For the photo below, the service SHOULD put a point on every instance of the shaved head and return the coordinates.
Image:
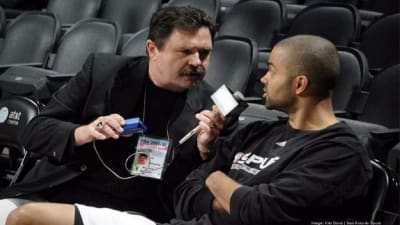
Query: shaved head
(314, 57)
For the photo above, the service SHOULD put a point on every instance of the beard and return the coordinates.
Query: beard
(269, 104)
(272, 105)
(283, 104)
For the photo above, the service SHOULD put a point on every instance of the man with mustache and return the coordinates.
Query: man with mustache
(79, 134)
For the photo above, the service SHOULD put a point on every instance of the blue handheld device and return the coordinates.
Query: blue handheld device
(134, 125)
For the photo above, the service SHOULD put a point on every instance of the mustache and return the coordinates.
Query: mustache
(189, 71)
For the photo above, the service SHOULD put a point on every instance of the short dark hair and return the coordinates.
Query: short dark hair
(315, 57)
(186, 18)
(143, 154)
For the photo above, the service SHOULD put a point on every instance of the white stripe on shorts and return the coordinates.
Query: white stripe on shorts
(105, 216)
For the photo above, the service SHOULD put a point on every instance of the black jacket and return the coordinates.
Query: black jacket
(97, 90)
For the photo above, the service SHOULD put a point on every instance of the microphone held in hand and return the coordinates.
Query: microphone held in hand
(190, 134)
(230, 105)
(240, 97)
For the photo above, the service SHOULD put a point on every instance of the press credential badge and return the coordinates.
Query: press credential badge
(150, 157)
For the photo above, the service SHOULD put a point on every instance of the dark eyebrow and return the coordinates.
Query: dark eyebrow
(203, 52)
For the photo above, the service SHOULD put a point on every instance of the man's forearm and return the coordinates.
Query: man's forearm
(222, 187)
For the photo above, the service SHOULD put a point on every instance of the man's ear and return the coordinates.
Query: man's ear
(152, 49)
(301, 82)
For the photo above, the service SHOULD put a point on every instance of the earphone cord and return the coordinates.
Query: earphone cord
(109, 169)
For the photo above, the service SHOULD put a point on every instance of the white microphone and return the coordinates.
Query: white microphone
(190, 134)
(224, 103)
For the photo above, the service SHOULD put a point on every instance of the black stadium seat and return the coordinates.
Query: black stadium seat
(310, 2)
(211, 7)
(130, 15)
(393, 160)
(2, 22)
(71, 11)
(385, 7)
(353, 80)
(83, 38)
(15, 113)
(378, 188)
(29, 38)
(380, 42)
(339, 23)
(259, 20)
(383, 104)
(291, 1)
(136, 44)
(232, 62)
(383, 195)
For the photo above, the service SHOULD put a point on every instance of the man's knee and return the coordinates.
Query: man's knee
(23, 215)
(12, 217)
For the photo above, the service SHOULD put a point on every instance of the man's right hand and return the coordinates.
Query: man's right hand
(102, 128)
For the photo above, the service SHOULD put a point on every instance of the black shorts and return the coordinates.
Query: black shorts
(78, 218)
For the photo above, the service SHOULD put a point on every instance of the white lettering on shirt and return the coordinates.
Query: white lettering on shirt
(252, 163)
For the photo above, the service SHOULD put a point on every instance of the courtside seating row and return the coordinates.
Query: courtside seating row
(265, 21)
(131, 16)
(72, 11)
